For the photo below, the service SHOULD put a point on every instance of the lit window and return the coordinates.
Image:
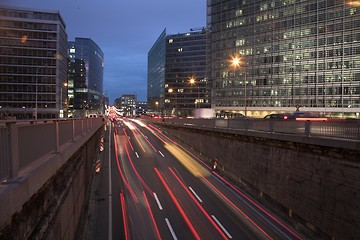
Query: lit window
(180, 50)
(239, 12)
(171, 40)
(72, 50)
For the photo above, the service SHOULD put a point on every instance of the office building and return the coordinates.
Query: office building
(177, 74)
(128, 104)
(285, 55)
(33, 64)
(86, 73)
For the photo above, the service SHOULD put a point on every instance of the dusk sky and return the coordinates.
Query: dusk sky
(125, 30)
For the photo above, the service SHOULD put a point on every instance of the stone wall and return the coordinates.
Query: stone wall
(319, 184)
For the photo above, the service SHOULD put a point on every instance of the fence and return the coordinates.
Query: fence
(23, 142)
(346, 129)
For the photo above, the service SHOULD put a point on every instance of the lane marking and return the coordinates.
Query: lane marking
(161, 154)
(158, 202)
(137, 155)
(198, 198)
(221, 226)
(171, 229)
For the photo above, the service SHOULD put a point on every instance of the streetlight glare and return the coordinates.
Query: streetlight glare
(354, 3)
(192, 80)
(235, 61)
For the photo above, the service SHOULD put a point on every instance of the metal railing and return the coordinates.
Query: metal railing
(345, 129)
(23, 142)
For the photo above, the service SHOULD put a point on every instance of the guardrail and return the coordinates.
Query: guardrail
(346, 129)
(23, 142)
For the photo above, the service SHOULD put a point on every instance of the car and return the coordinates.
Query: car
(283, 116)
(306, 115)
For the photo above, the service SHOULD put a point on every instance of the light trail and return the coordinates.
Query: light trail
(237, 208)
(123, 208)
(133, 132)
(136, 172)
(146, 139)
(152, 216)
(121, 173)
(198, 204)
(232, 187)
(178, 206)
(257, 206)
(128, 139)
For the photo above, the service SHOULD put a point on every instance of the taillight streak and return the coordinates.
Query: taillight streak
(123, 208)
(152, 216)
(146, 139)
(199, 205)
(160, 132)
(238, 209)
(231, 186)
(136, 172)
(133, 132)
(177, 204)
(121, 173)
(127, 137)
(257, 206)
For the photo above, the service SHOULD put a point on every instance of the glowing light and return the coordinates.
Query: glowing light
(24, 39)
(355, 3)
(187, 161)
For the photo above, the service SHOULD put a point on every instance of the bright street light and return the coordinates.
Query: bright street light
(236, 62)
(192, 81)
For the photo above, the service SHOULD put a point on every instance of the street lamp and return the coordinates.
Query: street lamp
(192, 81)
(157, 107)
(236, 62)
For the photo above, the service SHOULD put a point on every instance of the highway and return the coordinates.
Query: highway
(151, 187)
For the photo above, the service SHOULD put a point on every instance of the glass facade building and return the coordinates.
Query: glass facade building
(186, 78)
(33, 64)
(86, 76)
(177, 76)
(294, 54)
(156, 74)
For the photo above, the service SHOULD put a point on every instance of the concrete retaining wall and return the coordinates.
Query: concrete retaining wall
(57, 209)
(317, 183)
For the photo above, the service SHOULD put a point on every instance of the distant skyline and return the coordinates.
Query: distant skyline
(125, 31)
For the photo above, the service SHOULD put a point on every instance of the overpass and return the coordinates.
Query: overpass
(46, 171)
(310, 169)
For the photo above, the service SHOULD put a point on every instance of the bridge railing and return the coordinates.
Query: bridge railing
(23, 142)
(347, 129)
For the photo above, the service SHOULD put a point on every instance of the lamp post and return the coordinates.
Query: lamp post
(192, 81)
(157, 107)
(236, 62)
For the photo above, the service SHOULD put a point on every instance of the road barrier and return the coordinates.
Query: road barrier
(23, 142)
